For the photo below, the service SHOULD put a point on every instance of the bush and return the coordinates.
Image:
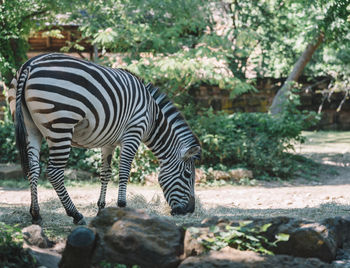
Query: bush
(12, 254)
(7, 140)
(257, 141)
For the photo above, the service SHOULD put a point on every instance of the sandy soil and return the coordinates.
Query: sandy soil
(327, 195)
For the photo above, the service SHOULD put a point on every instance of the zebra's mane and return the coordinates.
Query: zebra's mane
(132, 73)
(168, 108)
(165, 104)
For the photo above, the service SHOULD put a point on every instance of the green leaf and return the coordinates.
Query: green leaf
(265, 227)
(282, 237)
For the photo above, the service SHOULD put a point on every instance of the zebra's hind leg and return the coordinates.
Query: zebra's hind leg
(106, 174)
(33, 151)
(55, 171)
(33, 175)
(127, 153)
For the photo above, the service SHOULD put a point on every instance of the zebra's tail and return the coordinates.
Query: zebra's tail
(20, 127)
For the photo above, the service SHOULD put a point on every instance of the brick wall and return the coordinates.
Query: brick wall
(260, 101)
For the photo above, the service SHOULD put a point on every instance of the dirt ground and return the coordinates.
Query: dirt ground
(327, 195)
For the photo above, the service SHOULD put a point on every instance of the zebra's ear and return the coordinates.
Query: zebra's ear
(194, 152)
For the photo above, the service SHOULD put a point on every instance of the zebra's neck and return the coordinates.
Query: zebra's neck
(169, 133)
(160, 132)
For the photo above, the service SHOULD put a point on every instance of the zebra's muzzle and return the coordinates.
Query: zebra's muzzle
(181, 209)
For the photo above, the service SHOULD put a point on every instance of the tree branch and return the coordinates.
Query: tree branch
(281, 96)
(25, 18)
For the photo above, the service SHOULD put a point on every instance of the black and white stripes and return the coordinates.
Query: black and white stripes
(71, 102)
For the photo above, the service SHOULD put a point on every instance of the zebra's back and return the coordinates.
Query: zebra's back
(91, 104)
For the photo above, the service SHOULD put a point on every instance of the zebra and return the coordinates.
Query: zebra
(73, 102)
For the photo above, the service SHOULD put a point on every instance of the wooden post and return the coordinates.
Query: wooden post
(79, 248)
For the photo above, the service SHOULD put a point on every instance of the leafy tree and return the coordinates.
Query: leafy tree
(17, 19)
(168, 43)
(136, 26)
(330, 25)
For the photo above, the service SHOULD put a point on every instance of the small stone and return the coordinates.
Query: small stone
(34, 236)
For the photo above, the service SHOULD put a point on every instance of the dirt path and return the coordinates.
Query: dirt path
(327, 196)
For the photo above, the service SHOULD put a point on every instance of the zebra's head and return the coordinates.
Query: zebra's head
(177, 179)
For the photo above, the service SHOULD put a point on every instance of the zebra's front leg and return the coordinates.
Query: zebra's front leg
(128, 150)
(106, 174)
(55, 171)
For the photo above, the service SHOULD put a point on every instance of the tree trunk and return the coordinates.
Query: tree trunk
(282, 94)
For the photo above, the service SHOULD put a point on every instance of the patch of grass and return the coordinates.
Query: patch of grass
(14, 184)
(44, 183)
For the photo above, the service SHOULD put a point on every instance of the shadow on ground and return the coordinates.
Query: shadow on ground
(57, 224)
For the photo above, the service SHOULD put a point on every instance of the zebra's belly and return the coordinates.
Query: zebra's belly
(86, 136)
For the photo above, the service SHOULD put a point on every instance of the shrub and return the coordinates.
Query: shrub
(257, 141)
(12, 254)
(7, 140)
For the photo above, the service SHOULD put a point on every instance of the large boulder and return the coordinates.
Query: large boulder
(233, 258)
(306, 239)
(310, 239)
(130, 236)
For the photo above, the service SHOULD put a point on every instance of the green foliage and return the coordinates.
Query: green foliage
(7, 140)
(241, 237)
(144, 163)
(17, 19)
(140, 26)
(257, 141)
(12, 254)
(177, 73)
(265, 38)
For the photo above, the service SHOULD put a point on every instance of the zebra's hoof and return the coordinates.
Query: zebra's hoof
(121, 204)
(79, 219)
(37, 220)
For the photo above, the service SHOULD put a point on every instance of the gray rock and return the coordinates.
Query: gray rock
(130, 236)
(33, 235)
(307, 239)
(192, 241)
(45, 257)
(232, 258)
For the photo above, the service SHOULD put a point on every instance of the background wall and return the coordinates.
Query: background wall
(311, 98)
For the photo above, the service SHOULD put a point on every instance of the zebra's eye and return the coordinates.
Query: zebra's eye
(187, 170)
